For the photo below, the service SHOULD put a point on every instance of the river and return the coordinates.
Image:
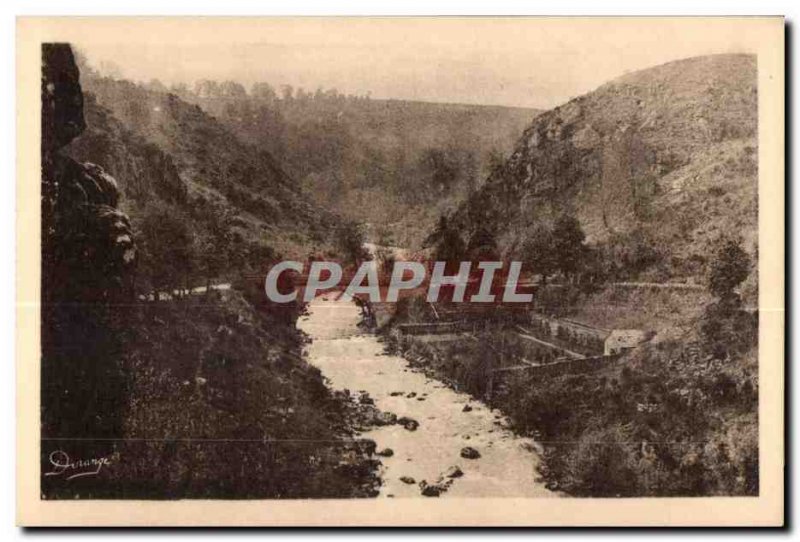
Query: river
(353, 359)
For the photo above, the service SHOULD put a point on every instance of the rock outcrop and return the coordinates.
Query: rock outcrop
(88, 255)
(88, 252)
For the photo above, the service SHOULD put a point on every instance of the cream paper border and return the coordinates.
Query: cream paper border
(761, 35)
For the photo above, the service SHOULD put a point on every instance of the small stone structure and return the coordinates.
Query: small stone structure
(620, 340)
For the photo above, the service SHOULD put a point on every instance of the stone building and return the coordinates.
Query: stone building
(620, 340)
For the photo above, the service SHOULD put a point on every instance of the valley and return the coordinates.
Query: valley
(632, 211)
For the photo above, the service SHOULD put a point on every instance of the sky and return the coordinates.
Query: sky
(523, 62)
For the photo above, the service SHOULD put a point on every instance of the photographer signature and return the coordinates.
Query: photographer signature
(63, 465)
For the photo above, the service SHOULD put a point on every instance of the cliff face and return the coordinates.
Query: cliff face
(87, 244)
(88, 257)
(666, 156)
(144, 170)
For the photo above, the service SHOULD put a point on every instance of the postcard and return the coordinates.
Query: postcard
(417, 271)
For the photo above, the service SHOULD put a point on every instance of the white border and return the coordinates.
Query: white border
(240, 7)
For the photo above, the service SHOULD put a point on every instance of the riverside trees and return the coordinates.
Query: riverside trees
(560, 248)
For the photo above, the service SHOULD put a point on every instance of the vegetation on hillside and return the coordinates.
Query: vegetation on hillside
(647, 177)
(187, 395)
(654, 166)
(676, 417)
(388, 163)
(210, 170)
(214, 400)
(633, 182)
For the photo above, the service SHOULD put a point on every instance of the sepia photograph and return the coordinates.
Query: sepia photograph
(403, 263)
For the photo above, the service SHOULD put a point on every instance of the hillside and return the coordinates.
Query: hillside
(655, 165)
(164, 148)
(395, 165)
(649, 180)
(187, 394)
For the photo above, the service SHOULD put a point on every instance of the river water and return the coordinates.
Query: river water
(353, 359)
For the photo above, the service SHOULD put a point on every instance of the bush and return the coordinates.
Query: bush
(729, 268)
(603, 464)
(165, 247)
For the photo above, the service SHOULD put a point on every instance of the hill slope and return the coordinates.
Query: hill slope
(201, 396)
(393, 164)
(206, 165)
(664, 158)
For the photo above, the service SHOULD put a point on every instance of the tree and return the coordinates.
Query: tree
(263, 91)
(439, 168)
(538, 252)
(727, 329)
(179, 89)
(634, 253)
(482, 245)
(569, 249)
(350, 243)
(207, 89)
(446, 242)
(219, 247)
(232, 89)
(384, 252)
(494, 161)
(156, 86)
(729, 268)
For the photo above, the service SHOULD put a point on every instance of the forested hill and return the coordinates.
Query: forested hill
(394, 165)
(654, 166)
(178, 163)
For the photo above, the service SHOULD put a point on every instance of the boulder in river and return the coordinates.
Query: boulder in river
(407, 480)
(467, 408)
(433, 490)
(412, 395)
(409, 423)
(386, 452)
(454, 472)
(468, 452)
(385, 418)
(396, 393)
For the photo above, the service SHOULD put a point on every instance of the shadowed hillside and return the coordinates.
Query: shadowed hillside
(174, 149)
